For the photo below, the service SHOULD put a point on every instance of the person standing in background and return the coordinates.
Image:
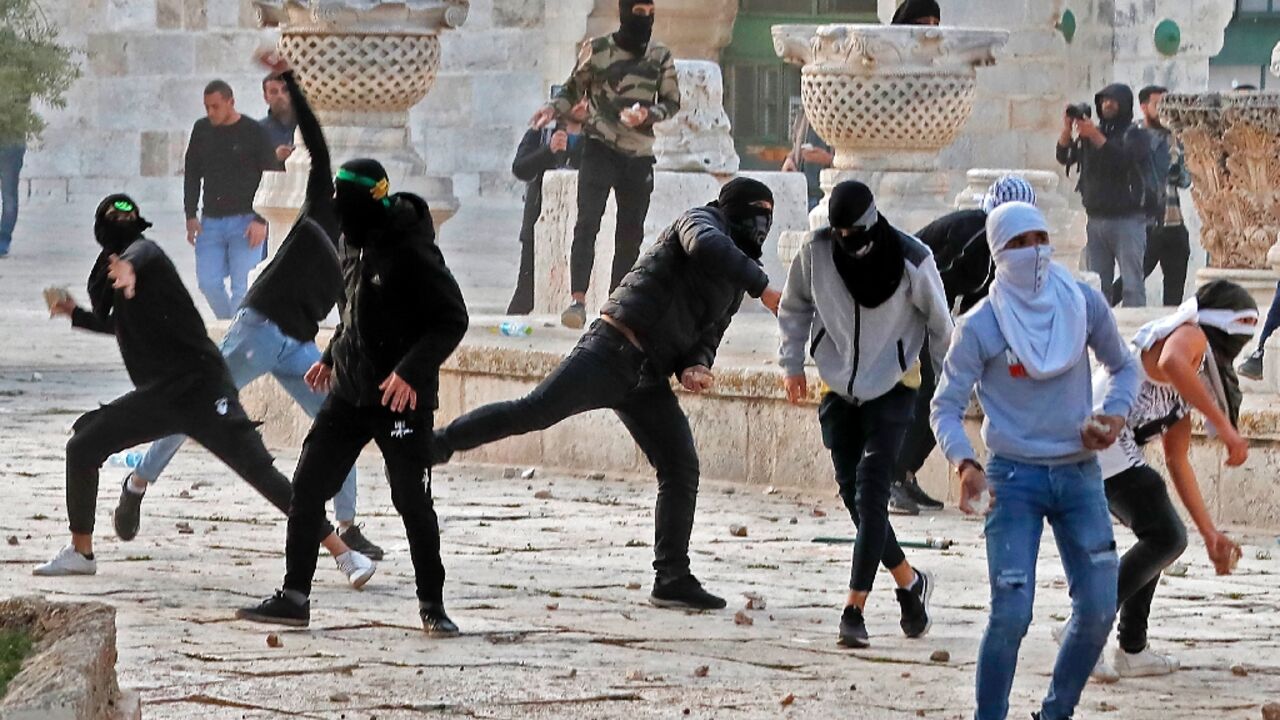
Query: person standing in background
(1168, 243)
(554, 147)
(281, 121)
(810, 155)
(226, 157)
(630, 83)
(12, 153)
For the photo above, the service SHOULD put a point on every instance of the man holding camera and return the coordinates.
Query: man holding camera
(1114, 156)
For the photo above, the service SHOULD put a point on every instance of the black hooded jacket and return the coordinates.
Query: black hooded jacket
(303, 282)
(959, 244)
(402, 311)
(161, 335)
(1113, 176)
(684, 291)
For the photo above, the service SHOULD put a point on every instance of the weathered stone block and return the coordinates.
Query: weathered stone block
(194, 16)
(155, 154)
(130, 15)
(161, 54)
(518, 13)
(169, 14)
(507, 98)
(450, 103)
(107, 54)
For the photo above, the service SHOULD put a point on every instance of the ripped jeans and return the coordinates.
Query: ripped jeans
(1072, 499)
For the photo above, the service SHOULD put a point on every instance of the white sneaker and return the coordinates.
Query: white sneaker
(1103, 672)
(67, 562)
(356, 567)
(1147, 663)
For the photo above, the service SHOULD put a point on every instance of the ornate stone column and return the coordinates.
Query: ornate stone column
(699, 138)
(364, 64)
(888, 99)
(1232, 143)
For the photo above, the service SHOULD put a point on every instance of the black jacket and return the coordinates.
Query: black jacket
(959, 244)
(1113, 176)
(533, 159)
(402, 311)
(683, 292)
(303, 282)
(161, 335)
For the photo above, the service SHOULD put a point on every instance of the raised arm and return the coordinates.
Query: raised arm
(320, 179)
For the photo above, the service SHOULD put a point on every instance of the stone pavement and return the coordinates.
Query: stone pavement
(550, 587)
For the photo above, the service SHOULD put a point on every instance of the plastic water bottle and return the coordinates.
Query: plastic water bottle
(129, 459)
(515, 329)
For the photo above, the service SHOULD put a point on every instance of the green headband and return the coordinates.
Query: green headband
(123, 206)
(377, 188)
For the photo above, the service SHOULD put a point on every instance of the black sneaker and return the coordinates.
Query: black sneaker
(361, 544)
(853, 630)
(900, 503)
(685, 593)
(918, 495)
(574, 316)
(436, 623)
(128, 514)
(441, 453)
(1252, 366)
(278, 610)
(915, 606)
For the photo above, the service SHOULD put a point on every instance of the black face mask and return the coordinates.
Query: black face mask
(361, 218)
(749, 233)
(117, 235)
(635, 31)
(853, 242)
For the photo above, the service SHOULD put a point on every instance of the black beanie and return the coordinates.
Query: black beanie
(740, 192)
(850, 201)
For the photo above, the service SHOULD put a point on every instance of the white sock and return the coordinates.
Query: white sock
(342, 556)
(295, 597)
(916, 583)
(136, 485)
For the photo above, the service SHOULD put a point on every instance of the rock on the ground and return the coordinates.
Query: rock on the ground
(940, 656)
(1271, 711)
(738, 530)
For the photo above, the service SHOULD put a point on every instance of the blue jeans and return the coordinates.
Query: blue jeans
(11, 157)
(222, 252)
(253, 347)
(1119, 241)
(1072, 499)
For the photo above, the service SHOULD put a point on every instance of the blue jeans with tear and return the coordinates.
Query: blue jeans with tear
(253, 347)
(1072, 498)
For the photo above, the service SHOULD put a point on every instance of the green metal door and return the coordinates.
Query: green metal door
(762, 93)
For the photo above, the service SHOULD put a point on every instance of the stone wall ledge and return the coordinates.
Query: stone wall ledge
(71, 673)
(745, 430)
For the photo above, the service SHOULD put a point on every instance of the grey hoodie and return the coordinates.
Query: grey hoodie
(861, 353)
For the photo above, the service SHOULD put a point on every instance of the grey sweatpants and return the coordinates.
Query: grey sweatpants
(1123, 241)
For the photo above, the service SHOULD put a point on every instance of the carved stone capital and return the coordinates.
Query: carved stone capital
(363, 16)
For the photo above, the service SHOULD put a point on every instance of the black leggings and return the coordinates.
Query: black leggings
(606, 371)
(1138, 499)
(203, 408)
(864, 441)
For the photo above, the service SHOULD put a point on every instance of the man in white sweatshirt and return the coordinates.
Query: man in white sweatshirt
(861, 298)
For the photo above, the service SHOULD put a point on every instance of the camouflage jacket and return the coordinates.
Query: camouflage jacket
(615, 80)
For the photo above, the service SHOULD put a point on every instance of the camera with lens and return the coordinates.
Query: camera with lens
(1080, 111)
